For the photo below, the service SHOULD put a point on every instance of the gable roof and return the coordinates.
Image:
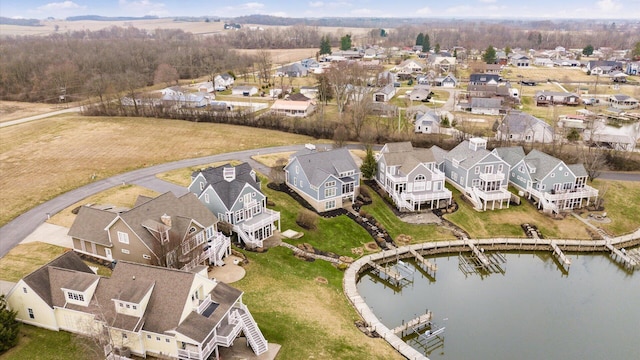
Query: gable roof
(484, 78)
(517, 122)
(466, 156)
(40, 280)
(487, 103)
(90, 224)
(544, 163)
(318, 165)
(405, 156)
(228, 191)
(512, 154)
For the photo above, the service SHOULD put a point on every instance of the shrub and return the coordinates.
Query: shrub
(307, 219)
(225, 228)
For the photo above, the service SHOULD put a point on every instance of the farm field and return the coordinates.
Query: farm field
(66, 152)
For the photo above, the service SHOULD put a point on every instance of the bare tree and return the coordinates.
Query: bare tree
(594, 161)
(264, 64)
(167, 74)
(277, 173)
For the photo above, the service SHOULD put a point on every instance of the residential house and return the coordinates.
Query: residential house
(544, 98)
(206, 87)
(177, 232)
(484, 79)
(632, 68)
(293, 108)
(444, 64)
(409, 66)
(554, 185)
(543, 62)
(520, 61)
(448, 81)
(519, 126)
(310, 63)
(420, 93)
(478, 173)
(309, 91)
(492, 68)
(622, 102)
(490, 90)
(247, 90)
(428, 122)
(411, 177)
(325, 179)
(233, 194)
(385, 78)
(139, 310)
(486, 106)
(603, 67)
(385, 93)
(188, 100)
(222, 82)
(173, 91)
(292, 70)
(279, 91)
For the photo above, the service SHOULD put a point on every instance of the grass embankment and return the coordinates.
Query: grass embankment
(43, 159)
(621, 201)
(40, 344)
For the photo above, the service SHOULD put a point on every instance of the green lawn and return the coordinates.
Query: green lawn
(41, 344)
(621, 199)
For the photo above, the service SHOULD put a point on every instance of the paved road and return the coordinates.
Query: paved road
(40, 116)
(623, 176)
(16, 230)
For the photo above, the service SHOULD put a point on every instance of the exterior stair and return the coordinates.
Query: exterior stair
(254, 336)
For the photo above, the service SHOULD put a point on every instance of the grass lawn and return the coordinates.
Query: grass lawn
(621, 204)
(300, 305)
(41, 344)
(25, 258)
(506, 222)
(63, 153)
(394, 226)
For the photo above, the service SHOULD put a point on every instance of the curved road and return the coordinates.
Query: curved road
(16, 230)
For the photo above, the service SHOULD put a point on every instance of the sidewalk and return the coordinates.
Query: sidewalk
(50, 234)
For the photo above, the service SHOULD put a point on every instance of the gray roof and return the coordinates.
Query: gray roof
(487, 103)
(517, 122)
(387, 89)
(40, 279)
(405, 156)
(90, 223)
(543, 162)
(466, 156)
(320, 165)
(228, 191)
(438, 153)
(555, 93)
(578, 170)
(483, 78)
(512, 154)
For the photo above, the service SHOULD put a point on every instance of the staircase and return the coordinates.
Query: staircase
(220, 249)
(254, 336)
(475, 199)
(401, 202)
(246, 238)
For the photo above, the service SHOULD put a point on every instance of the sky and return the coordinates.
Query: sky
(500, 9)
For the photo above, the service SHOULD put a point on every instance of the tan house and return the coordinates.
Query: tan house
(176, 232)
(293, 108)
(141, 309)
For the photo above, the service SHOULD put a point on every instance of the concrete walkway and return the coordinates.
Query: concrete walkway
(350, 288)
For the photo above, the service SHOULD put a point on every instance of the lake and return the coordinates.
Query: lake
(533, 310)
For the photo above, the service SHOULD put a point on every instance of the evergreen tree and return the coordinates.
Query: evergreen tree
(9, 327)
(507, 50)
(383, 33)
(455, 53)
(426, 45)
(489, 55)
(636, 51)
(588, 50)
(325, 45)
(420, 39)
(437, 48)
(345, 42)
(369, 165)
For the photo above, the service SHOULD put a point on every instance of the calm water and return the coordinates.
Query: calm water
(532, 311)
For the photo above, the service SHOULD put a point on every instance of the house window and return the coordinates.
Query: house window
(488, 169)
(329, 192)
(157, 338)
(75, 296)
(135, 307)
(24, 289)
(125, 251)
(566, 173)
(148, 336)
(145, 256)
(461, 180)
(521, 168)
(167, 340)
(330, 183)
(553, 174)
(500, 168)
(295, 181)
(454, 176)
(128, 306)
(297, 170)
(121, 305)
(477, 170)
(123, 237)
(239, 215)
(31, 315)
(330, 205)
(206, 198)
(192, 230)
(124, 336)
(201, 186)
(301, 183)
(475, 182)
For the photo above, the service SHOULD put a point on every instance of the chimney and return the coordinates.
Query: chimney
(166, 219)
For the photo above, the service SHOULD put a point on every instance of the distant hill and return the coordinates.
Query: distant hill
(20, 22)
(110, 18)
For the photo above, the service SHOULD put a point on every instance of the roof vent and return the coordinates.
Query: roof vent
(229, 174)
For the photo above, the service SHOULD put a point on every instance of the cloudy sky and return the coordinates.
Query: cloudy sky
(547, 9)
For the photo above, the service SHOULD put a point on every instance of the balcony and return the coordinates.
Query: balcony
(259, 221)
(419, 197)
(493, 195)
(579, 193)
(487, 177)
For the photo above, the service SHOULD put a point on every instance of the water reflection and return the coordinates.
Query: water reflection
(534, 310)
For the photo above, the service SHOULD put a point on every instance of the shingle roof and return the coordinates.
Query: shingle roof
(406, 157)
(578, 170)
(543, 162)
(466, 156)
(90, 223)
(517, 122)
(320, 165)
(228, 191)
(483, 78)
(487, 103)
(40, 280)
(512, 154)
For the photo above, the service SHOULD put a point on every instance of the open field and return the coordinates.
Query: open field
(542, 74)
(283, 56)
(66, 152)
(621, 199)
(25, 258)
(12, 110)
(119, 196)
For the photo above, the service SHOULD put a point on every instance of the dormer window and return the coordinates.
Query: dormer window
(76, 297)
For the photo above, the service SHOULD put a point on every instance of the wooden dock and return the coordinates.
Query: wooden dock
(391, 274)
(564, 260)
(620, 256)
(426, 264)
(418, 322)
(484, 261)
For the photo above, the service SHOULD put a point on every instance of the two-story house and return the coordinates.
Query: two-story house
(411, 178)
(518, 126)
(478, 173)
(233, 194)
(554, 185)
(141, 309)
(543, 98)
(323, 178)
(176, 232)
